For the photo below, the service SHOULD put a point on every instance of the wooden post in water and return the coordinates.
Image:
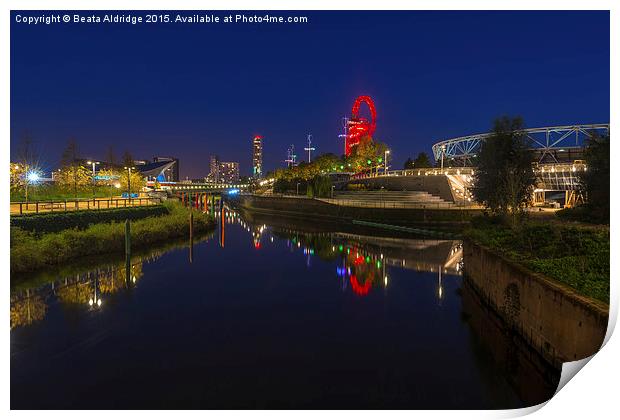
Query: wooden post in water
(191, 237)
(127, 251)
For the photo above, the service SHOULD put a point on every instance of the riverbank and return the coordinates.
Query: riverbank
(548, 282)
(318, 210)
(31, 251)
(575, 255)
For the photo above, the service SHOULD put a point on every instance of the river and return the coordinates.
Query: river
(268, 313)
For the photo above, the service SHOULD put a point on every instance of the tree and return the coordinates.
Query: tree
(75, 178)
(111, 156)
(505, 179)
(136, 180)
(596, 180)
(72, 174)
(408, 164)
(127, 159)
(366, 155)
(422, 161)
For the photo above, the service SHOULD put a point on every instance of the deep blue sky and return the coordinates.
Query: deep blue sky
(195, 90)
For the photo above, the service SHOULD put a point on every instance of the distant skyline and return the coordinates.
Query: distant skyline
(192, 91)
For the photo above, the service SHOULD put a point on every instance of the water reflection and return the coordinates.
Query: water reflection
(361, 259)
(268, 312)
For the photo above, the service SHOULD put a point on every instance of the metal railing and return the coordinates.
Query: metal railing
(56, 206)
(383, 204)
(417, 172)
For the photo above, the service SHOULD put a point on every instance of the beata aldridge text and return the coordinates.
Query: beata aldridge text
(108, 19)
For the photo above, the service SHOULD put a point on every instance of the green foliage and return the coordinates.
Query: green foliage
(367, 155)
(55, 222)
(48, 192)
(574, 255)
(30, 252)
(504, 179)
(320, 186)
(290, 186)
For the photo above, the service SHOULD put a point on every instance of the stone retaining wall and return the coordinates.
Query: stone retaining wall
(552, 318)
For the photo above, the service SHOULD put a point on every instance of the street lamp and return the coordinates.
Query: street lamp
(129, 168)
(93, 163)
(385, 161)
(298, 188)
(32, 177)
(443, 153)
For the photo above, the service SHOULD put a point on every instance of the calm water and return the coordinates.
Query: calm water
(267, 313)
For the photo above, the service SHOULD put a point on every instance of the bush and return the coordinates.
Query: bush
(574, 255)
(30, 251)
(56, 222)
(585, 214)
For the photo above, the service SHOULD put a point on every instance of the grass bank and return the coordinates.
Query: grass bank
(575, 255)
(32, 251)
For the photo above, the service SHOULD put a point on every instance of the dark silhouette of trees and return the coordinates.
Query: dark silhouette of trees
(408, 164)
(422, 161)
(127, 159)
(596, 180)
(505, 179)
(72, 174)
(111, 156)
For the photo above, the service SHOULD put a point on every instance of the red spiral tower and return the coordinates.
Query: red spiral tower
(357, 126)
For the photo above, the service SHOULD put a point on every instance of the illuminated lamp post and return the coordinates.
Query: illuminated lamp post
(93, 163)
(32, 177)
(443, 153)
(385, 161)
(129, 168)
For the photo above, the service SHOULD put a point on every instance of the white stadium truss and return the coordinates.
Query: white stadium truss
(545, 140)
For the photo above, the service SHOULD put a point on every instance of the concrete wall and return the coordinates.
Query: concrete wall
(307, 208)
(437, 185)
(557, 322)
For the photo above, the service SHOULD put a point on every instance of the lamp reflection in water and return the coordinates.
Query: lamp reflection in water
(440, 287)
(95, 301)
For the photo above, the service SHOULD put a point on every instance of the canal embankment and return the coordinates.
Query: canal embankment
(320, 210)
(549, 284)
(87, 236)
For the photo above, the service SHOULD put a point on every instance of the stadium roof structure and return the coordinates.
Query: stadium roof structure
(154, 169)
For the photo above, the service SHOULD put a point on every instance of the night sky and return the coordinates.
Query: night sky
(194, 90)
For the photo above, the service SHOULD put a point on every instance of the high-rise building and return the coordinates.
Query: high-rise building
(229, 172)
(214, 168)
(257, 157)
(172, 173)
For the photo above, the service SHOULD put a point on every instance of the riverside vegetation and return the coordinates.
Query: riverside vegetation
(32, 250)
(572, 254)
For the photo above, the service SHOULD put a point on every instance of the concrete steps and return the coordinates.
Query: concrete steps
(390, 199)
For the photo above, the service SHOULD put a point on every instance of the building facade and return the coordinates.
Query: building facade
(214, 169)
(257, 157)
(229, 172)
(171, 174)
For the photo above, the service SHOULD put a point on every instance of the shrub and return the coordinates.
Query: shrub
(574, 255)
(30, 251)
(56, 222)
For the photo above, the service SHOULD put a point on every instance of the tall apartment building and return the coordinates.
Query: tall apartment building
(214, 169)
(229, 172)
(257, 157)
